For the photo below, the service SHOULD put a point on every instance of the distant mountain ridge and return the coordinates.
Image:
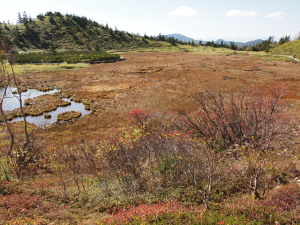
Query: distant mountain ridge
(219, 41)
(181, 37)
(240, 44)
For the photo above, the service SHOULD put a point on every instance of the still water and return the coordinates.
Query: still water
(11, 102)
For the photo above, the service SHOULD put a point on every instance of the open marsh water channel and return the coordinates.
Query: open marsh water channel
(11, 102)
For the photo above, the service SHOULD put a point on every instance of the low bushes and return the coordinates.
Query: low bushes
(280, 206)
(70, 57)
(225, 147)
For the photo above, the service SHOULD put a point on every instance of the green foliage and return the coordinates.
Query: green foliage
(166, 162)
(281, 206)
(213, 44)
(290, 48)
(69, 31)
(208, 218)
(265, 45)
(70, 57)
(284, 40)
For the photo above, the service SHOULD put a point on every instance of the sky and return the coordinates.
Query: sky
(232, 20)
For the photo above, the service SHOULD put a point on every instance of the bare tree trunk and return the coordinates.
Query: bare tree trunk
(6, 81)
(62, 182)
(11, 134)
(254, 191)
(207, 192)
(27, 140)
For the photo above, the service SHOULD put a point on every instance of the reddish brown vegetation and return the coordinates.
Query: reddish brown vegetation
(142, 212)
(226, 148)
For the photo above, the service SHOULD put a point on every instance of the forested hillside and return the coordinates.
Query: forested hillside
(53, 31)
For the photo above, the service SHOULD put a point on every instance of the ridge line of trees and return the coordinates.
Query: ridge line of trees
(83, 29)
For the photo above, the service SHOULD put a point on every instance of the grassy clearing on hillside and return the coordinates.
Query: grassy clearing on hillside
(289, 48)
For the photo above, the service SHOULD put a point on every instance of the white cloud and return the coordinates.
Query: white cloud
(183, 11)
(276, 15)
(241, 13)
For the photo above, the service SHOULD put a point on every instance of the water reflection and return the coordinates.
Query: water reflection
(11, 102)
(41, 121)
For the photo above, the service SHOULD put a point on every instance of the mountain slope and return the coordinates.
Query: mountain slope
(289, 48)
(240, 44)
(56, 31)
(181, 37)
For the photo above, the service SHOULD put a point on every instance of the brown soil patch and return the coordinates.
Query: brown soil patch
(159, 82)
(107, 87)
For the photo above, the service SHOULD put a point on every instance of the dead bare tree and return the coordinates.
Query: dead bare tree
(5, 82)
(20, 155)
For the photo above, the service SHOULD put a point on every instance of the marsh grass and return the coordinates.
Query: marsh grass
(66, 116)
(275, 58)
(203, 50)
(31, 68)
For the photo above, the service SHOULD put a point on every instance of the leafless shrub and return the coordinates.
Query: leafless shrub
(225, 120)
(246, 125)
(74, 162)
(156, 156)
(142, 157)
(225, 144)
(25, 156)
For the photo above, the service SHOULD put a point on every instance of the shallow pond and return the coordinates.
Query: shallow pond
(11, 102)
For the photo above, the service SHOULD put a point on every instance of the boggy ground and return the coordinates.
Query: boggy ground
(159, 82)
(150, 81)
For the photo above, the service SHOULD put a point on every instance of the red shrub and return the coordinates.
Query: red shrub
(286, 198)
(143, 211)
(15, 205)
